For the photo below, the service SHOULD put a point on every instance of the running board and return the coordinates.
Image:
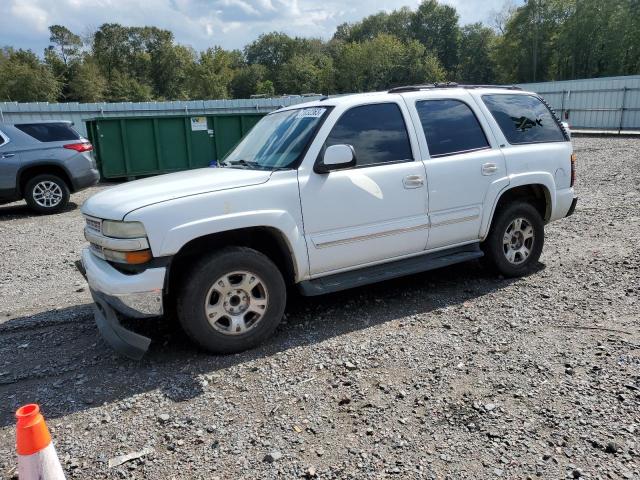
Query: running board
(387, 271)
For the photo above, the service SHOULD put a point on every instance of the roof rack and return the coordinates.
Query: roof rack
(428, 86)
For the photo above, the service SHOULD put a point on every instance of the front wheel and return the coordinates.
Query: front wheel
(515, 241)
(233, 300)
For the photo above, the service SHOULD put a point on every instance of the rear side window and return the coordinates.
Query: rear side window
(49, 132)
(2, 140)
(450, 127)
(377, 134)
(524, 119)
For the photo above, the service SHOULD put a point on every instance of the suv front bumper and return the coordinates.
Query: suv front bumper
(135, 295)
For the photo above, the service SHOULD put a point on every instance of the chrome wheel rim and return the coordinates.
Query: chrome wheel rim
(236, 302)
(47, 194)
(517, 242)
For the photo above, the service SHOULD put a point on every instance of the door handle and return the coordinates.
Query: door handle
(489, 168)
(8, 155)
(413, 181)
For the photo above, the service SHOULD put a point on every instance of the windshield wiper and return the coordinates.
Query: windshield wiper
(241, 162)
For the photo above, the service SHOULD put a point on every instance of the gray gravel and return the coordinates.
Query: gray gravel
(449, 374)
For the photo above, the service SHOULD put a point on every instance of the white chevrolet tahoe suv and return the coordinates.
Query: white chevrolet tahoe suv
(329, 195)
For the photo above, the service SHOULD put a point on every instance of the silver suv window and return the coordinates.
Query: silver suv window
(49, 132)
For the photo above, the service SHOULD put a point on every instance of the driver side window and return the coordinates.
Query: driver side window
(377, 133)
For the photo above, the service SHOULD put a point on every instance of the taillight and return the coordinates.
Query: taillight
(79, 147)
(573, 169)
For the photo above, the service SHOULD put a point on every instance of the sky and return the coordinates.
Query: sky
(204, 23)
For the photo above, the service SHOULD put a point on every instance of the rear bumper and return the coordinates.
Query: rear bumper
(135, 296)
(565, 199)
(572, 208)
(86, 180)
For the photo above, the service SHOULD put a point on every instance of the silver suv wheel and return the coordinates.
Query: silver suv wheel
(517, 241)
(236, 302)
(47, 194)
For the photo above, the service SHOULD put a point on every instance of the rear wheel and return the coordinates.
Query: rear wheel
(516, 238)
(46, 193)
(233, 300)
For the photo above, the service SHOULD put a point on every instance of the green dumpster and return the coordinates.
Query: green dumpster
(140, 146)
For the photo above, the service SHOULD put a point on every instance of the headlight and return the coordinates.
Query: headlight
(114, 229)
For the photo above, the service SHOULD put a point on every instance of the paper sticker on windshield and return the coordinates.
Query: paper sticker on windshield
(310, 112)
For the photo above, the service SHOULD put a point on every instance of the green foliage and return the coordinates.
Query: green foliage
(247, 80)
(384, 62)
(536, 41)
(475, 60)
(24, 78)
(436, 27)
(87, 83)
(66, 44)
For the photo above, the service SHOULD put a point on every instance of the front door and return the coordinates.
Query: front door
(375, 210)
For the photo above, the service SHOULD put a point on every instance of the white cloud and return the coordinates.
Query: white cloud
(203, 23)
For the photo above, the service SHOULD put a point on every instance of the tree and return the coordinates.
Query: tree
(475, 60)
(436, 27)
(66, 44)
(307, 74)
(382, 63)
(271, 50)
(526, 51)
(211, 77)
(87, 83)
(124, 88)
(396, 23)
(23, 78)
(247, 79)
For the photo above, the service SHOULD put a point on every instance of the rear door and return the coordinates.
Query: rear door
(463, 163)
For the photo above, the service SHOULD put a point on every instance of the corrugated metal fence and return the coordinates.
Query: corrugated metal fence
(609, 103)
(13, 112)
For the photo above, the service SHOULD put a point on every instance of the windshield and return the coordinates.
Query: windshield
(277, 140)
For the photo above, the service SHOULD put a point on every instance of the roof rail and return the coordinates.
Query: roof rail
(428, 86)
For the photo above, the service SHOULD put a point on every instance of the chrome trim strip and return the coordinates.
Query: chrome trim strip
(119, 244)
(371, 236)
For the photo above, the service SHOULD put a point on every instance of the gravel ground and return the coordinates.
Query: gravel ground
(454, 373)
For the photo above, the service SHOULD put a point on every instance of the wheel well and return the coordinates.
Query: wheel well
(30, 172)
(265, 240)
(537, 195)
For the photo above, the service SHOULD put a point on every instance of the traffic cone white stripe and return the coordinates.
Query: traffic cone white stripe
(42, 465)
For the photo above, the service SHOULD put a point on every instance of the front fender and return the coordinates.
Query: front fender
(274, 204)
(517, 180)
(278, 220)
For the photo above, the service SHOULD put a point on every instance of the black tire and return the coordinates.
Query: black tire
(39, 204)
(497, 252)
(192, 313)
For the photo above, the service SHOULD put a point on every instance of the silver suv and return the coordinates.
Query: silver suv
(43, 162)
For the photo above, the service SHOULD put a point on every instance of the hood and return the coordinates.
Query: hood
(115, 202)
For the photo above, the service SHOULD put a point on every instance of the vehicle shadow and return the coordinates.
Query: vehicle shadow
(14, 211)
(57, 359)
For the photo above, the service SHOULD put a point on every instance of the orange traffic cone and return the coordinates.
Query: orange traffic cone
(37, 458)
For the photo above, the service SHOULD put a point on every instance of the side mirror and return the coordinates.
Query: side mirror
(566, 127)
(336, 157)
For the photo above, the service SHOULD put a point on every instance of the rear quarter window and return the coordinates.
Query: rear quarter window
(524, 119)
(49, 132)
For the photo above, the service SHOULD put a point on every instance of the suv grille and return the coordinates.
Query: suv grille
(93, 224)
